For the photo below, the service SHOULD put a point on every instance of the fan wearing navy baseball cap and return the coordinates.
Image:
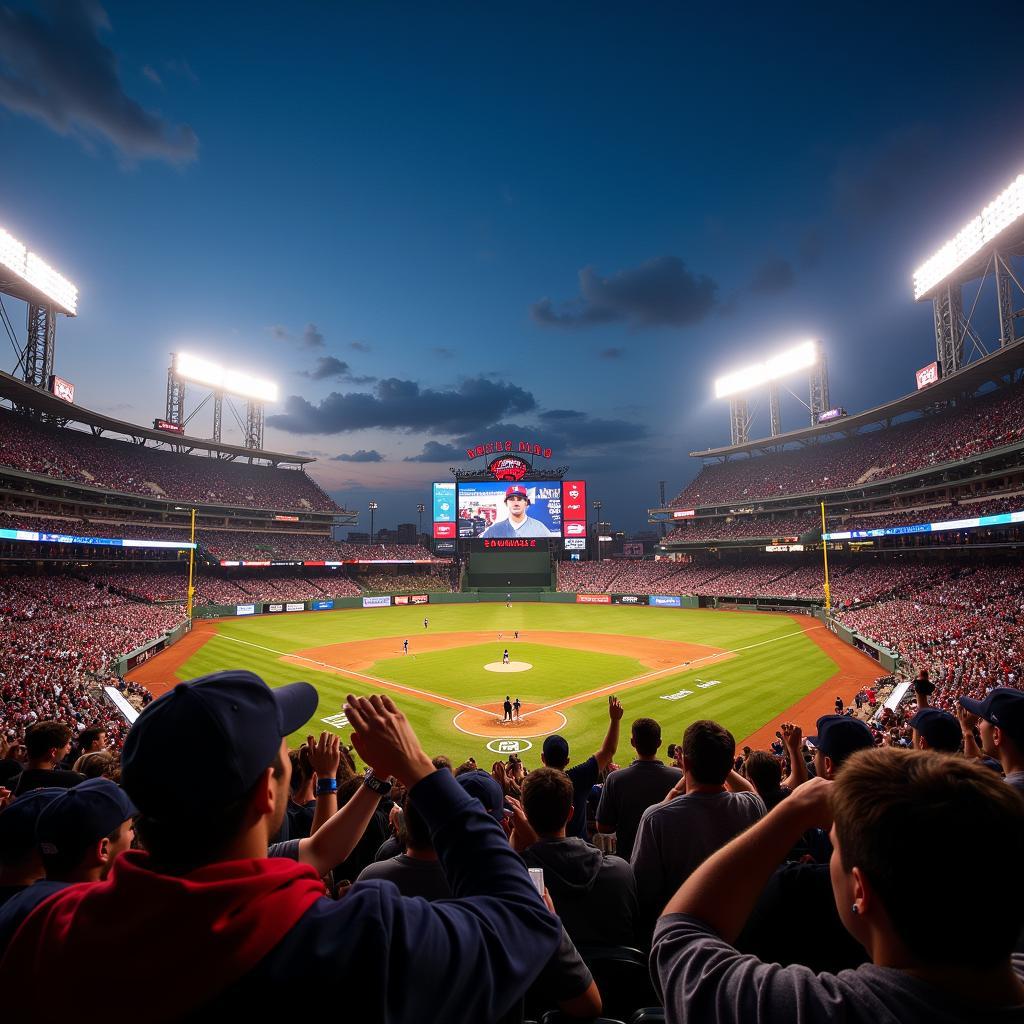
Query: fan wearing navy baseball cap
(517, 523)
(838, 737)
(1001, 724)
(240, 932)
(20, 863)
(79, 834)
(935, 729)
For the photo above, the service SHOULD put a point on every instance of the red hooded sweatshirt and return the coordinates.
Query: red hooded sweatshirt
(213, 924)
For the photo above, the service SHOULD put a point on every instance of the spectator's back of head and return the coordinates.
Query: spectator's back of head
(838, 737)
(708, 752)
(416, 831)
(939, 729)
(18, 824)
(47, 740)
(938, 839)
(555, 752)
(547, 800)
(646, 737)
(764, 771)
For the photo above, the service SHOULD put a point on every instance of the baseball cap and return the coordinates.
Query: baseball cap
(839, 736)
(82, 815)
(1004, 707)
(556, 750)
(232, 717)
(939, 728)
(516, 490)
(486, 789)
(18, 822)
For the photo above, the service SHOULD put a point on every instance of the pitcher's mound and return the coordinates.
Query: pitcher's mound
(512, 666)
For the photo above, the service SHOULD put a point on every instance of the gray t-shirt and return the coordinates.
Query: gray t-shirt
(700, 977)
(674, 839)
(412, 875)
(627, 794)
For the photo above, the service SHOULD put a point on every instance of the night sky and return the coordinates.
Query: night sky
(436, 224)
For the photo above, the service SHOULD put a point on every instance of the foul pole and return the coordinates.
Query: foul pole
(824, 555)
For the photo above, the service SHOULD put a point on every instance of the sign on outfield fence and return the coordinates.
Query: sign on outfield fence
(665, 601)
(245, 609)
(593, 598)
(321, 606)
(377, 602)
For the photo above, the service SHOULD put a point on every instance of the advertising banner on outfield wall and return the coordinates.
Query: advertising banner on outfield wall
(665, 601)
(629, 599)
(419, 599)
(401, 599)
(269, 608)
(295, 606)
(321, 606)
(376, 602)
(245, 609)
(593, 598)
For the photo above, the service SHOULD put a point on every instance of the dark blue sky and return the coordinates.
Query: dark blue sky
(557, 221)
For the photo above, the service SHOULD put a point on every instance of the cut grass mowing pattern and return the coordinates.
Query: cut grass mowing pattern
(752, 687)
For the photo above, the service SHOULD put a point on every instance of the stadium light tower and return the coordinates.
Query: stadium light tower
(420, 509)
(597, 509)
(373, 508)
(221, 381)
(808, 355)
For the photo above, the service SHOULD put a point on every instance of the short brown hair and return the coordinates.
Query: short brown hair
(917, 823)
(547, 799)
(42, 737)
(764, 771)
(708, 749)
(646, 733)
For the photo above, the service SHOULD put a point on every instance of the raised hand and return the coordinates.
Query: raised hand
(615, 710)
(324, 754)
(385, 740)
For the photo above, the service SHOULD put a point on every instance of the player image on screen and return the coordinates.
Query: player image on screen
(518, 523)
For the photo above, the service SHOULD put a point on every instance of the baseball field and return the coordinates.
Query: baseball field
(746, 670)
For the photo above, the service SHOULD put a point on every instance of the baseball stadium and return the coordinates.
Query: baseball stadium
(795, 695)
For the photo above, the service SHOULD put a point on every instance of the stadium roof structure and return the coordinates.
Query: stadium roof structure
(25, 395)
(999, 368)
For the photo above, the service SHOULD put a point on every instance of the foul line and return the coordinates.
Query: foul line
(687, 665)
(435, 698)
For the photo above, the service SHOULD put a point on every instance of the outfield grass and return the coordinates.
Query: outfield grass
(780, 666)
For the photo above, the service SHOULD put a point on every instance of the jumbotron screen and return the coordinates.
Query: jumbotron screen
(502, 509)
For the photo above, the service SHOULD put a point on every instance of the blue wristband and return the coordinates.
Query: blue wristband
(325, 787)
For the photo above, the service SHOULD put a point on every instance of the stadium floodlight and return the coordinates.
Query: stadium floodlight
(235, 382)
(37, 273)
(1004, 210)
(785, 363)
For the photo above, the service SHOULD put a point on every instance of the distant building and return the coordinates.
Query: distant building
(406, 533)
(358, 537)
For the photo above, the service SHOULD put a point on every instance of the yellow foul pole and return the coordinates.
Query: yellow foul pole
(824, 554)
(191, 565)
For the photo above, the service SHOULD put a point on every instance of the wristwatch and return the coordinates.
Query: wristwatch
(379, 786)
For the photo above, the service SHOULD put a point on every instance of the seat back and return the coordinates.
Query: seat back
(622, 977)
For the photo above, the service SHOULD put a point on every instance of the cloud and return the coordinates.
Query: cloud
(398, 404)
(433, 451)
(183, 69)
(359, 346)
(773, 276)
(612, 353)
(362, 455)
(568, 432)
(56, 69)
(444, 353)
(312, 338)
(280, 332)
(658, 293)
(152, 75)
(313, 453)
(327, 367)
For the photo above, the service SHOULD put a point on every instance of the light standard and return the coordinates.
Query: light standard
(190, 593)
(420, 508)
(373, 508)
(597, 509)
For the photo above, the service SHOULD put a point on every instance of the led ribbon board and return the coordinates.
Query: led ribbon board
(1002, 519)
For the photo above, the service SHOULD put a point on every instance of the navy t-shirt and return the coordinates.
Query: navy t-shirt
(584, 777)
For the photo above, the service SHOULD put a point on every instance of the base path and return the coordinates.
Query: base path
(856, 670)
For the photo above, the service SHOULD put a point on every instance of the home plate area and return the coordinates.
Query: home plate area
(512, 666)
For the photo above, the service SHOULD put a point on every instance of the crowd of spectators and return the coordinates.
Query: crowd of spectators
(950, 435)
(728, 885)
(781, 577)
(745, 527)
(408, 582)
(966, 629)
(76, 456)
